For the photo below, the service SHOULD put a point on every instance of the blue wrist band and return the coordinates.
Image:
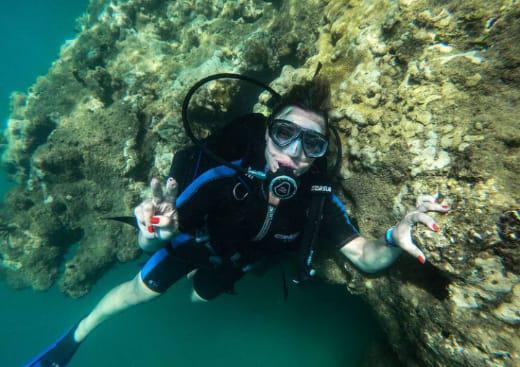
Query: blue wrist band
(388, 237)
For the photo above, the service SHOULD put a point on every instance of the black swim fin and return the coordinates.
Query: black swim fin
(58, 354)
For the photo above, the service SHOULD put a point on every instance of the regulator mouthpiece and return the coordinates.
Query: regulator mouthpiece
(283, 184)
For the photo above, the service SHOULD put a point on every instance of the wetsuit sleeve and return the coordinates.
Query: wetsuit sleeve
(336, 228)
(200, 198)
(193, 207)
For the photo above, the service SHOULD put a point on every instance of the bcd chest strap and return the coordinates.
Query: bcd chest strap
(319, 194)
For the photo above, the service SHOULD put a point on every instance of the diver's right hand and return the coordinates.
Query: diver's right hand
(157, 217)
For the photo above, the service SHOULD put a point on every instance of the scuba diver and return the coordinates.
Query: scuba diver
(255, 192)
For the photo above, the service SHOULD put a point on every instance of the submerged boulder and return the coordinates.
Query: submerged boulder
(425, 96)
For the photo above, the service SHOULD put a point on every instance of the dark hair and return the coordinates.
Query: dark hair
(313, 95)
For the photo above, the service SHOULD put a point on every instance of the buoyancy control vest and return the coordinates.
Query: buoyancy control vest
(247, 134)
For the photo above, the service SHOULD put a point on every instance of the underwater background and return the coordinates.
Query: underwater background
(320, 325)
(425, 96)
(317, 326)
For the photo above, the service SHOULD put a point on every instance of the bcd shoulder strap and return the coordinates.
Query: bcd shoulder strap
(235, 141)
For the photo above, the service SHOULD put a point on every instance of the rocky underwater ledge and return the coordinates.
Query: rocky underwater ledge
(425, 96)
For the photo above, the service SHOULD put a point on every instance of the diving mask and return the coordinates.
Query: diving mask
(284, 133)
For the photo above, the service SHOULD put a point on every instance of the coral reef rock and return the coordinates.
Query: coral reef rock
(425, 96)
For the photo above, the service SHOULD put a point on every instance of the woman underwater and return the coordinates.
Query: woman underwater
(226, 223)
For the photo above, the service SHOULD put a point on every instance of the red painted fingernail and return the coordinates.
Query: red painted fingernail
(421, 259)
(435, 227)
(445, 206)
(155, 220)
(151, 229)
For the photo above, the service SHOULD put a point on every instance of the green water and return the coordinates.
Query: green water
(32, 34)
(317, 326)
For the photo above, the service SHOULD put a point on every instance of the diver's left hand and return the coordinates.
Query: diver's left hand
(402, 234)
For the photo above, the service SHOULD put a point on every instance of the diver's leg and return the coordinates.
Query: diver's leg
(161, 271)
(210, 283)
(195, 298)
(118, 299)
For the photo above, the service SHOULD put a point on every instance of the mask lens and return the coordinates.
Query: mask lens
(314, 145)
(283, 133)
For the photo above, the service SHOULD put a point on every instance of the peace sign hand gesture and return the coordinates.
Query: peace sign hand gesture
(157, 217)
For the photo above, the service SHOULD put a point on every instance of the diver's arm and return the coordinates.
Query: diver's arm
(373, 255)
(370, 256)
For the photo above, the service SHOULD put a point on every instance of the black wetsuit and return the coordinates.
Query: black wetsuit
(227, 226)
